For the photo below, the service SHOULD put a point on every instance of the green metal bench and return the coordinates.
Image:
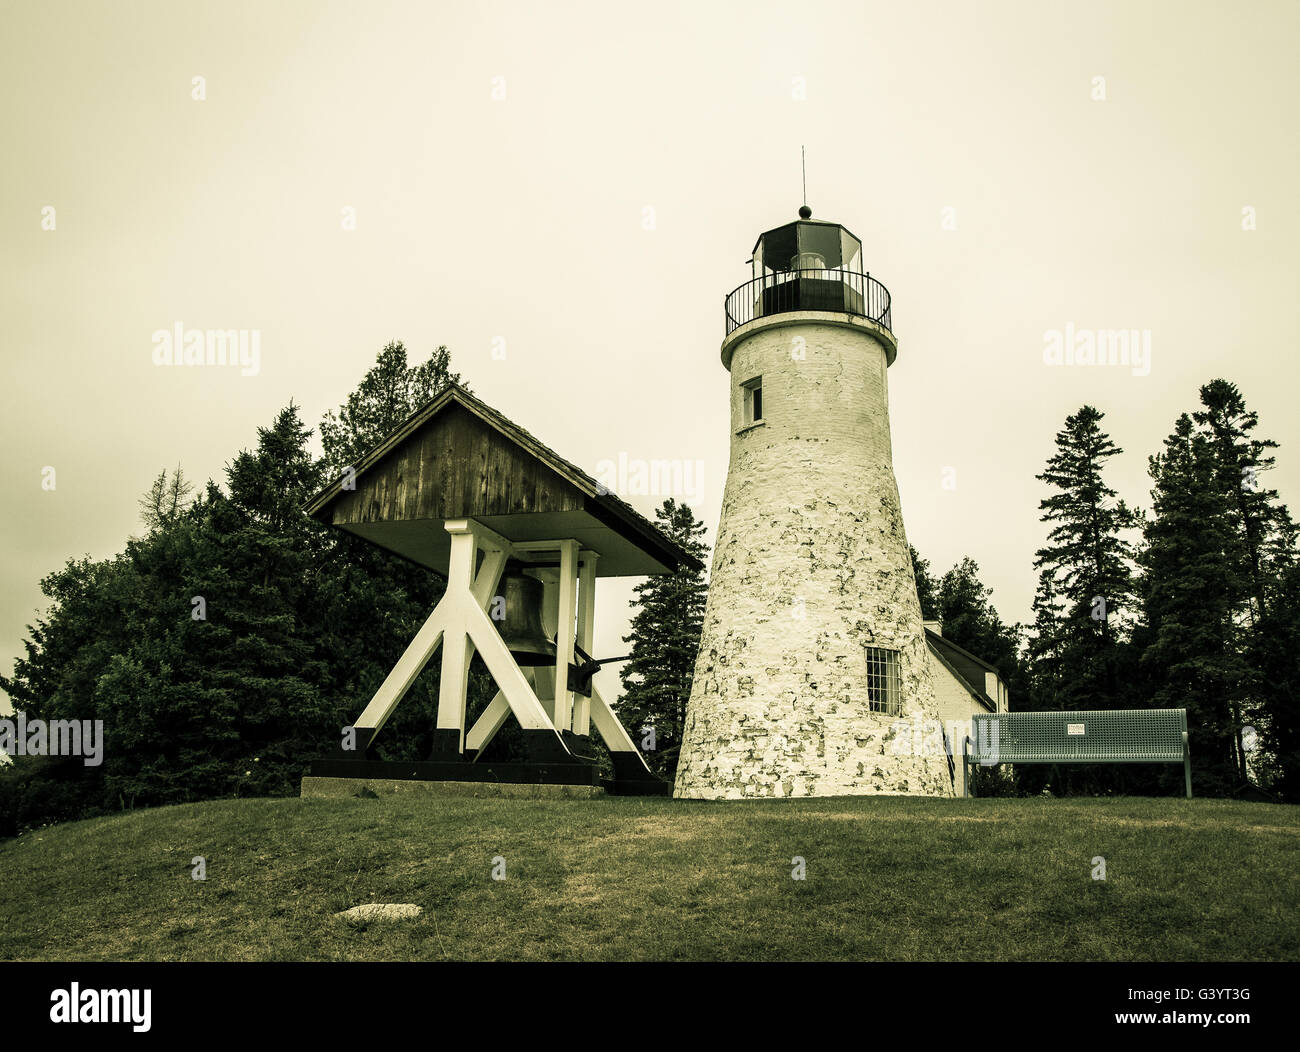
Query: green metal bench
(1093, 736)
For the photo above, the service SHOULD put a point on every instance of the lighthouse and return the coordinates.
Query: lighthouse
(813, 676)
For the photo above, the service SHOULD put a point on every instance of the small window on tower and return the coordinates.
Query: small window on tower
(882, 681)
(754, 401)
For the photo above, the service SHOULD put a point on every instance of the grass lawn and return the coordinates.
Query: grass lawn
(888, 878)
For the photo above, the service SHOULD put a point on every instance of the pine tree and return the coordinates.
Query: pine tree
(1193, 589)
(166, 499)
(270, 660)
(965, 609)
(1264, 531)
(1261, 546)
(665, 640)
(1274, 657)
(1046, 647)
(390, 392)
(1085, 587)
(927, 587)
(66, 654)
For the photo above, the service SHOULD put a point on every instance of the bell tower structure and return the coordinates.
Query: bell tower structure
(813, 676)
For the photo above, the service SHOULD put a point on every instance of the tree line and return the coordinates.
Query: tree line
(232, 640)
(1193, 603)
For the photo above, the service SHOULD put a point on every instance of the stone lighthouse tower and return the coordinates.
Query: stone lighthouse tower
(813, 676)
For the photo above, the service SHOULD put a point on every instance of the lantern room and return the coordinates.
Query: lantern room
(807, 245)
(808, 265)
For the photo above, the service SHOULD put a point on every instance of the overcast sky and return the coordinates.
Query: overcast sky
(581, 184)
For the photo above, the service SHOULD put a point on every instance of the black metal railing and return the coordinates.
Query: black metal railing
(827, 289)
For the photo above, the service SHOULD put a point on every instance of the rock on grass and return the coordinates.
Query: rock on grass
(379, 911)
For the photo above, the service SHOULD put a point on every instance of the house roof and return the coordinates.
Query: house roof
(598, 515)
(938, 645)
(953, 648)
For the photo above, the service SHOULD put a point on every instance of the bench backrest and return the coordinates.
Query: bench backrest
(1112, 735)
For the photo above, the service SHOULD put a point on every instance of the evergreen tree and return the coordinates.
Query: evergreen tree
(219, 689)
(66, 654)
(1193, 589)
(390, 392)
(232, 642)
(166, 499)
(1046, 647)
(265, 549)
(1265, 534)
(965, 609)
(665, 641)
(927, 588)
(1261, 547)
(1273, 654)
(1085, 586)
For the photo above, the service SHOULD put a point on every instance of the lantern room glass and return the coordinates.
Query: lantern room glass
(807, 245)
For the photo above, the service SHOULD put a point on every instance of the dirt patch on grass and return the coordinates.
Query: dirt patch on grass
(676, 829)
(671, 827)
(581, 890)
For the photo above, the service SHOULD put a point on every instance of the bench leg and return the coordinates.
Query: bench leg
(1187, 766)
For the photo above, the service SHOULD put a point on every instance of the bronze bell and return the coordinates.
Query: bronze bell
(521, 624)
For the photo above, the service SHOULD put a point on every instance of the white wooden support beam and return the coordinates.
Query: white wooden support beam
(489, 721)
(454, 682)
(611, 729)
(564, 632)
(489, 576)
(466, 591)
(456, 652)
(544, 676)
(409, 665)
(586, 630)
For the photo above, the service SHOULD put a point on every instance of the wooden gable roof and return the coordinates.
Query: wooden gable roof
(456, 457)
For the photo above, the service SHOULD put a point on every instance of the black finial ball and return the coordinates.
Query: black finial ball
(805, 212)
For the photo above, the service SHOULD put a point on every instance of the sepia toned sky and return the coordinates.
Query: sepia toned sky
(563, 193)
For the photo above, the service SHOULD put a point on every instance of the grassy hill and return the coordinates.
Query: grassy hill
(887, 878)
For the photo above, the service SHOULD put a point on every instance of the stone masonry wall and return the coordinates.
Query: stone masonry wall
(811, 566)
